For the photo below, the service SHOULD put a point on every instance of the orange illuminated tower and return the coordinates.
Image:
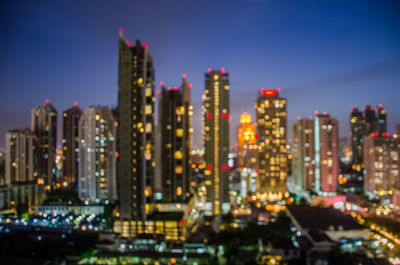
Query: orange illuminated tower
(246, 143)
(246, 154)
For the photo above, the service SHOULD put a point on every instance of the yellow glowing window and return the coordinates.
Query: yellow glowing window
(179, 191)
(147, 208)
(216, 77)
(148, 127)
(178, 155)
(148, 92)
(97, 117)
(178, 169)
(179, 132)
(148, 109)
(207, 182)
(140, 81)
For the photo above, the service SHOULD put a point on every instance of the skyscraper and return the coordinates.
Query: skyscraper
(381, 157)
(135, 138)
(70, 145)
(272, 154)
(216, 141)
(246, 142)
(370, 119)
(20, 158)
(246, 154)
(371, 122)
(381, 123)
(97, 160)
(326, 134)
(174, 122)
(44, 126)
(303, 152)
(358, 131)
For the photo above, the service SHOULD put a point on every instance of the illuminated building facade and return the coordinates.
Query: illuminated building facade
(169, 224)
(135, 132)
(358, 131)
(272, 153)
(70, 145)
(20, 156)
(381, 157)
(246, 153)
(216, 141)
(44, 126)
(362, 124)
(303, 154)
(174, 127)
(326, 132)
(97, 161)
(246, 143)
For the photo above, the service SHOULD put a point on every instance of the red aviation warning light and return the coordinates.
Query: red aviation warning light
(223, 115)
(75, 103)
(278, 90)
(374, 134)
(161, 83)
(145, 44)
(209, 116)
(47, 101)
(380, 106)
(209, 69)
(120, 30)
(184, 76)
(158, 92)
(175, 88)
(130, 43)
(316, 112)
(222, 71)
(385, 134)
(209, 167)
(190, 85)
(270, 92)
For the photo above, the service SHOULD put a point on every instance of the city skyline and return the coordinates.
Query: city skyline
(331, 71)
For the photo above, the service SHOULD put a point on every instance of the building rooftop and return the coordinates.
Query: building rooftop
(316, 218)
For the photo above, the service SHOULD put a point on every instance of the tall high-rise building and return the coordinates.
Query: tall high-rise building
(272, 153)
(97, 159)
(326, 134)
(358, 131)
(381, 157)
(174, 121)
(135, 136)
(303, 154)
(381, 123)
(371, 122)
(20, 156)
(70, 145)
(44, 126)
(216, 141)
(370, 119)
(246, 143)
(246, 154)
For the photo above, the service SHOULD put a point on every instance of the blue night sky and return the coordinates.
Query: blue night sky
(324, 55)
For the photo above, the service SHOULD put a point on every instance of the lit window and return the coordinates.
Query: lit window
(179, 132)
